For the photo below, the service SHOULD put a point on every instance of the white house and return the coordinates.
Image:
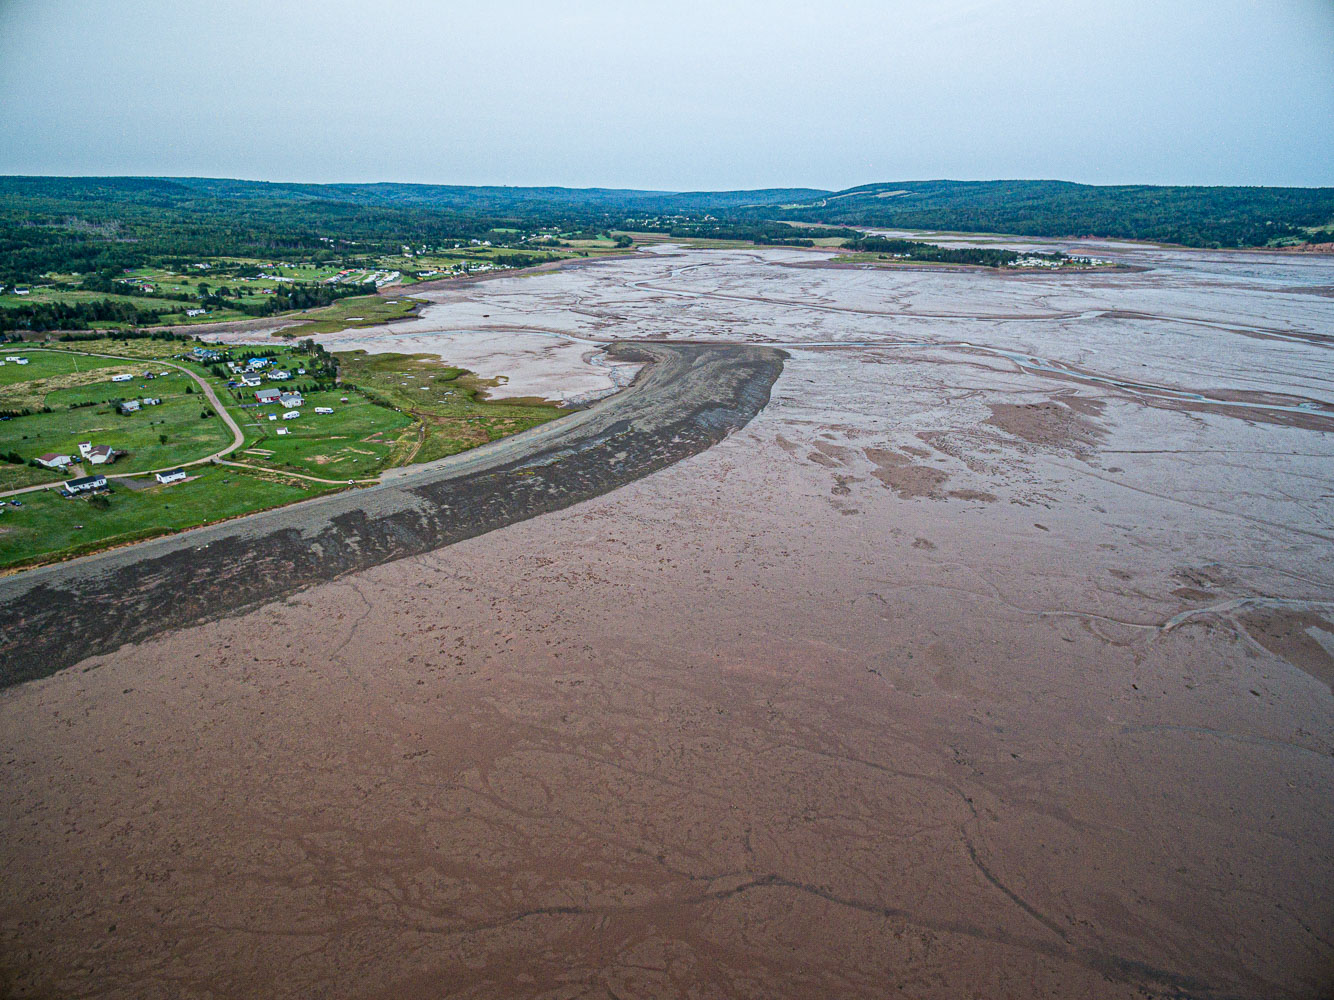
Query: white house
(150, 401)
(88, 484)
(129, 406)
(101, 454)
(174, 476)
(21, 361)
(290, 400)
(121, 378)
(54, 461)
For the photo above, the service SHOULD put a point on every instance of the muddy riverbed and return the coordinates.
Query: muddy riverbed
(946, 675)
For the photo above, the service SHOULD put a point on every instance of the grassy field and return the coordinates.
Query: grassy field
(400, 409)
(445, 400)
(345, 314)
(49, 526)
(81, 398)
(357, 440)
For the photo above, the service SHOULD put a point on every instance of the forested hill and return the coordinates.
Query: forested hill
(493, 202)
(47, 222)
(1194, 216)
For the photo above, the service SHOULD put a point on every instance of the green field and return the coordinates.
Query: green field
(48, 526)
(357, 440)
(81, 398)
(345, 314)
(445, 400)
(399, 409)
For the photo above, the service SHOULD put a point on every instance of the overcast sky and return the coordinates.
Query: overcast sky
(672, 95)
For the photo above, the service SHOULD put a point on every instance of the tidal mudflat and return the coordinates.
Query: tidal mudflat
(993, 657)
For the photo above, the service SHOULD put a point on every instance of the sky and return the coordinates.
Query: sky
(671, 95)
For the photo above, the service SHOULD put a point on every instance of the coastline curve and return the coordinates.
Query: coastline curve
(686, 398)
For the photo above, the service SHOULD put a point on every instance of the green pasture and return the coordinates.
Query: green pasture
(48, 526)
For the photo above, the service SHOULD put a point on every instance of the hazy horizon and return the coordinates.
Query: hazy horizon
(686, 97)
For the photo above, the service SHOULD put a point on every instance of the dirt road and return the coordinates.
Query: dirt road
(687, 398)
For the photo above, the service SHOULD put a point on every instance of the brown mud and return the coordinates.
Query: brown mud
(1051, 719)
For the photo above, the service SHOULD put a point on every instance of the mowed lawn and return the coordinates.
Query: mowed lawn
(49, 526)
(356, 441)
(67, 384)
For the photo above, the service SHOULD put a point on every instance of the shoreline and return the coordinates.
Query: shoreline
(686, 399)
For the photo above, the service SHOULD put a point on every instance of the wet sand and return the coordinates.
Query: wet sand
(944, 676)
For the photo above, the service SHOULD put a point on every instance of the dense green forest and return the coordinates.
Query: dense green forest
(107, 224)
(1193, 216)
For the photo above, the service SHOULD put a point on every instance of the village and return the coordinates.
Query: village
(104, 439)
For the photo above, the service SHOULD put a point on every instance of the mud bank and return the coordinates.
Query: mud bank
(688, 398)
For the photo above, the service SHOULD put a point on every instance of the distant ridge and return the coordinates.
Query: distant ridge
(1193, 216)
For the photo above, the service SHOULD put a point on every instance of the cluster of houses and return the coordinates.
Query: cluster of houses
(288, 400)
(93, 454)
(253, 373)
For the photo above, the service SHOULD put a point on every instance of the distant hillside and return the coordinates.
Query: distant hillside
(1194, 216)
(495, 201)
(105, 223)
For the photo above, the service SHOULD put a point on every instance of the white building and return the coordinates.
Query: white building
(174, 476)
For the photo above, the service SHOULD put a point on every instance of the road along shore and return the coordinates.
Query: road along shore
(686, 398)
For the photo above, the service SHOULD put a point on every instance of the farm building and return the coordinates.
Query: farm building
(53, 461)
